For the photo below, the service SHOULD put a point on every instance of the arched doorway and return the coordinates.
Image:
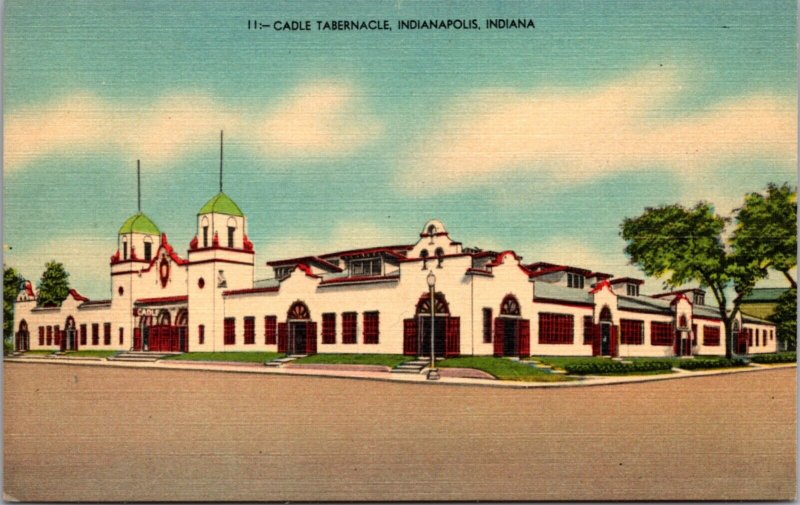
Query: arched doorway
(141, 334)
(512, 334)
(182, 324)
(605, 335)
(23, 337)
(683, 339)
(443, 328)
(70, 340)
(298, 335)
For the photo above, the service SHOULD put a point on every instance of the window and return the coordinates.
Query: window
(231, 231)
(106, 333)
(631, 331)
(588, 330)
(711, 335)
(632, 289)
(661, 333)
(205, 236)
(694, 334)
(230, 330)
(148, 250)
(556, 328)
(41, 335)
(424, 255)
(95, 334)
(57, 336)
(349, 328)
(439, 253)
(574, 280)
(121, 335)
(124, 249)
(487, 325)
(369, 267)
(699, 299)
(249, 330)
(49, 335)
(329, 328)
(270, 330)
(749, 336)
(83, 334)
(201, 334)
(371, 327)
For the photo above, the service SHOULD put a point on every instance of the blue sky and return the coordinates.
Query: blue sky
(537, 140)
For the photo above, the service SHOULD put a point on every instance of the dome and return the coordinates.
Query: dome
(221, 204)
(139, 223)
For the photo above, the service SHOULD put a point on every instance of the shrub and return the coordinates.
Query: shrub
(781, 357)
(615, 367)
(704, 364)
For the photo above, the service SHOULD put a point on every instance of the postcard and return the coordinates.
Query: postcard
(399, 250)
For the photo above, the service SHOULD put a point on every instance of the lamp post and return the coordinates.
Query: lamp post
(433, 373)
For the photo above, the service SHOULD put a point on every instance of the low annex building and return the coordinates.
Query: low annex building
(373, 300)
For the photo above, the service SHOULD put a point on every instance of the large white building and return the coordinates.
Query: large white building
(371, 300)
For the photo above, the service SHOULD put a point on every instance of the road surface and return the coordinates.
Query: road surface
(89, 433)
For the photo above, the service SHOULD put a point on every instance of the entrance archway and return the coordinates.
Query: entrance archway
(683, 339)
(70, 340)
(512, 334)
(443, 327)
(23, 337)
(298, 335)
(605, 335)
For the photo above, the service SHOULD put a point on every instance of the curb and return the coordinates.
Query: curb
(586, 381)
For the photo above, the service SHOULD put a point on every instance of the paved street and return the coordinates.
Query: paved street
(86, 433)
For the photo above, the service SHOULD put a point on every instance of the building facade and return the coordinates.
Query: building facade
(373, 300)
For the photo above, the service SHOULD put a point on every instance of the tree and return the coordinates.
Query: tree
(12, 283)
(54, 284)
(685, 245)
(766, 231)
(785, 319)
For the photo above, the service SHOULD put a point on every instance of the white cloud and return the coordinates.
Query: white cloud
(572, 136)
(326, 119)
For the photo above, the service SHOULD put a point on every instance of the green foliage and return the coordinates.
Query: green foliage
(766, 230)
(54, 284)
(707, 363)
(503, 369)
(8, 347)
(785, 319)
(390, 360)
(684, 244)
(12, 283)
(780, 357)
(607, 366)
(249, 357)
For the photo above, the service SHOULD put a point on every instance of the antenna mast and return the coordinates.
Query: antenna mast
(220, 161)
(138, 187)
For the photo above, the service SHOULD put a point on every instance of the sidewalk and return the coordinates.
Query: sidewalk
(258, 368)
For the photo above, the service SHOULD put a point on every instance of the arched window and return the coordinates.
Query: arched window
(439, 253)
(424, 255)
(509, 306)
(231, 231)
(204, 226)
(424, 304)
(431, 230)
(124, 249)
(164, 317)
(298, 310)
(605, 315)
(148, 248)
(682, 322)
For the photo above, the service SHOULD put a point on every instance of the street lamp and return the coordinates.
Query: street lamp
(433, 373)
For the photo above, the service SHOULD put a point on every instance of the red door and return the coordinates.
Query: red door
(613, 347)
(524, 329)
(283, 337)
(137, 339)
(499, 329)
(311, 338)
(452, 344)
(597, 338)
(410, 337)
